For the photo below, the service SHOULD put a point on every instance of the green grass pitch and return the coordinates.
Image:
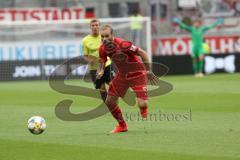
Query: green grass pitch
(211, 133)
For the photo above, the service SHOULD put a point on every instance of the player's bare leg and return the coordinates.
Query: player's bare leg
(112, 104)
(143, 106)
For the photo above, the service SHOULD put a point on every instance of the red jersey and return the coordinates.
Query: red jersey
(126, 61)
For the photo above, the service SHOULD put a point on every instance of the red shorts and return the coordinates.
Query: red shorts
(121, 83)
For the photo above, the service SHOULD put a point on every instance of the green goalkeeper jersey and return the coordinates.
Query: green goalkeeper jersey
(197, 33)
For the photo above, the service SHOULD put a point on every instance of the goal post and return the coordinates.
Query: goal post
(26, 43)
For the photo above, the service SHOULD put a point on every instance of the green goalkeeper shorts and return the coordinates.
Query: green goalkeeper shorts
(197, 51)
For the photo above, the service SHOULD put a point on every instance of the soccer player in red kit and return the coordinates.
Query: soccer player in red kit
(132, 73)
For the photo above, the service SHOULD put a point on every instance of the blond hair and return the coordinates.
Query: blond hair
(93, 21)
(107, 26)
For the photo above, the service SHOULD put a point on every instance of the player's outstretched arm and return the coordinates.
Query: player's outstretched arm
(151, 77)
(144, 58)
(219, 22)
(182, 25)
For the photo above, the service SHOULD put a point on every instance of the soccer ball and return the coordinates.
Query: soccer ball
(36, 125)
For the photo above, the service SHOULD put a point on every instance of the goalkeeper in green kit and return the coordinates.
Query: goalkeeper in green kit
(197, 31)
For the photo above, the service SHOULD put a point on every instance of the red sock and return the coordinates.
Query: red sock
(143, 108)
(117, 114)
(144, 111)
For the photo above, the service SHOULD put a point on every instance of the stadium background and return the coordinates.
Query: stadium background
(169, 44)
(212, 102)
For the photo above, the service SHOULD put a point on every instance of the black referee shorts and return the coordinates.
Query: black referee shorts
(106, 78)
